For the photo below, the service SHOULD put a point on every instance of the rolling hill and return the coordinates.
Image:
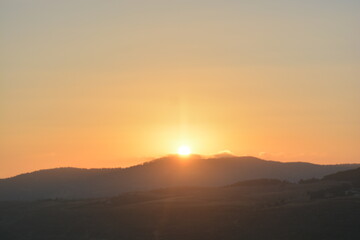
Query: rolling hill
(352, 176)
(250, 210)
(170, 171)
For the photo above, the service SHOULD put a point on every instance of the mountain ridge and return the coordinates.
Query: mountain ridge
(168, 171)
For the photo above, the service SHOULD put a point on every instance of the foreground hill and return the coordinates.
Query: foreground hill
(251, 210)
(352, 176)
(72, 183)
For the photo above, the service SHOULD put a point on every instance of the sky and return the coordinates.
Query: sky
(96, 84)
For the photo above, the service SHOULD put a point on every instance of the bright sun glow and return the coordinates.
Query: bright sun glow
(184, 150)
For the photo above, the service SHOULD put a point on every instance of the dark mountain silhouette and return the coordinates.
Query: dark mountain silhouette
(170, 171)
(259, 182)
(352, 176)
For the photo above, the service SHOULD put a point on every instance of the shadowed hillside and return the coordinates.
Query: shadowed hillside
(171, 171)
(250, 210)
(352, 176)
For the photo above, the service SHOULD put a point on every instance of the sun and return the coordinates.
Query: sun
(184, 150)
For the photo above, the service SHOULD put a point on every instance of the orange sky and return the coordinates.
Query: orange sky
(109, 84)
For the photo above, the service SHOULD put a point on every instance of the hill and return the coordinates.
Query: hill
(170, 171)
(252, 210)
(352, 176)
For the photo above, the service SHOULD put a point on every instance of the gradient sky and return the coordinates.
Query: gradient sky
(115, 83)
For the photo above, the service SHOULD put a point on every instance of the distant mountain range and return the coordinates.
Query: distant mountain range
(170, 171)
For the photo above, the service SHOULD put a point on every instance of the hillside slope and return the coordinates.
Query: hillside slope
(170, 171)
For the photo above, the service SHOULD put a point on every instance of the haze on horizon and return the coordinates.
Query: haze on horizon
(113, 83)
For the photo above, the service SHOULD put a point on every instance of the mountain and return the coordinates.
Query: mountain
(259, 182)
(170, 171)
(352, 176)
